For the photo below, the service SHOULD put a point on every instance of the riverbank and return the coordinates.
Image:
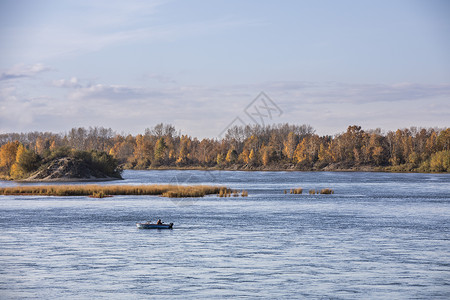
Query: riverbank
(329, 168)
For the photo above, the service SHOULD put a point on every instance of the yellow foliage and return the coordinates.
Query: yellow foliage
(16, 171)
(19, 153)
(265, 157)
(300, 153)
(8, 155)
(440, 161)
(252, 156)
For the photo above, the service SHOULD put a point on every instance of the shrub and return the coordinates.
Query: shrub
(440, 161)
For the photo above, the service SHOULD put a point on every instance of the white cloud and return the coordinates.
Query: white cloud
(108, 92)
(22, 70)
(67, 83)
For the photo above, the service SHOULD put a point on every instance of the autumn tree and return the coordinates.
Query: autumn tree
(440, 161)
(26, 162)
(143, 151)
(267, 154)
(253, 157)
(123, 150)
(289, 145)
(301, 153)
(219, 159)
(184, 149)
(443, 140)
(8, 156)
(232, 156)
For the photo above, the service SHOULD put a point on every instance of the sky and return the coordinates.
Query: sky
(204, 66)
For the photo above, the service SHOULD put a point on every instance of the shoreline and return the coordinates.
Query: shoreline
(354, 169)
(106, 179)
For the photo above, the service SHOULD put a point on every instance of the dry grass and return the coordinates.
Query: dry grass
(100, 191)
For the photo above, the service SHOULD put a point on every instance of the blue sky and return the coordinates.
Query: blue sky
(129, 65)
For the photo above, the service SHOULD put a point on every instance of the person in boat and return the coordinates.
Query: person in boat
(159, 222)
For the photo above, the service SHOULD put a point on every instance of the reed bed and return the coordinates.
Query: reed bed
(100, 191)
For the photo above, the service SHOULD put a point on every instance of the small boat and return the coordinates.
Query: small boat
(148, 225)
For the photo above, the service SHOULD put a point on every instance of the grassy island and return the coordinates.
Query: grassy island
(100, 191)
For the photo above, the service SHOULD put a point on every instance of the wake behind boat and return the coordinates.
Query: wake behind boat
(148, 225)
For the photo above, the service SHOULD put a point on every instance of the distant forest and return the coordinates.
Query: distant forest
(273, 147)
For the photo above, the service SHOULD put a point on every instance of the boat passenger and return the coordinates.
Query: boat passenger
(159, 222)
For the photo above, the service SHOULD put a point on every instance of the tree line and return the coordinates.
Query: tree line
(251, 147)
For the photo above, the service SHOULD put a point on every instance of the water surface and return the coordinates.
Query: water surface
(380, 235)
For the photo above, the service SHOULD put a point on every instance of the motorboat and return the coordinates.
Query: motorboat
(148, 225)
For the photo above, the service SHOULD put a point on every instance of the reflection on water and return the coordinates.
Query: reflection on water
(379, 236)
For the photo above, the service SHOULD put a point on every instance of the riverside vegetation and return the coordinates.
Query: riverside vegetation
(273, 147)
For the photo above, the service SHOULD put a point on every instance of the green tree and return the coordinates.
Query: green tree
(160, 149)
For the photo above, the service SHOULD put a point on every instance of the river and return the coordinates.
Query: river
(379, 236)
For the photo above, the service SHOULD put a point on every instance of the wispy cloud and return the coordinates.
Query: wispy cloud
(22, 70)
(79, 90)
(108, 92)
(205, 110)
(103, 24)
(338, 92)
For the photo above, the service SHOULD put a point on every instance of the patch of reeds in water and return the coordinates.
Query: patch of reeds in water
(226, 192)
(99, 195)
(296, 191)
(322, 191)
(326, 191)
(100, 191)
